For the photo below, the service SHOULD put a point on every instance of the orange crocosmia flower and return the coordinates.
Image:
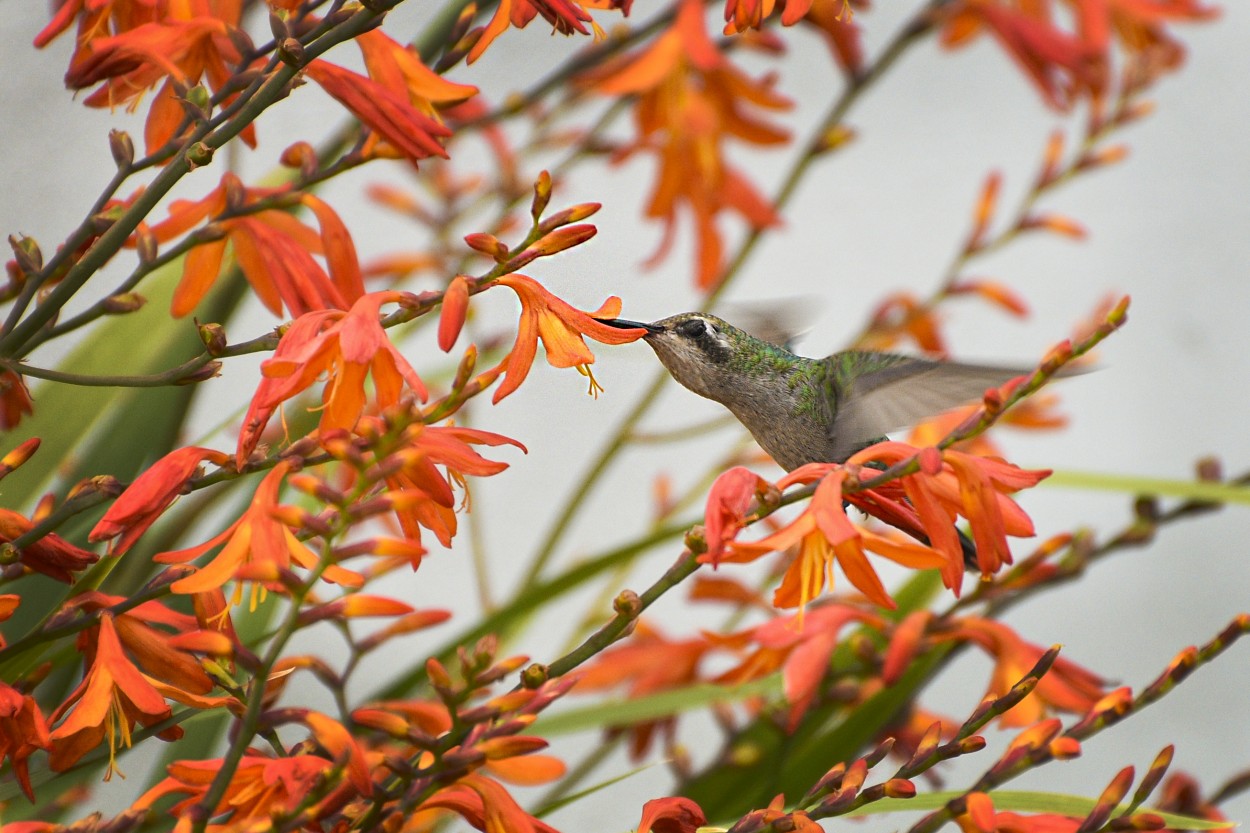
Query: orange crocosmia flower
(178, 51)
(802, 646)
(148, 632)
(691, 99)
(15, 401)
(398, 68)
(1067, 687)
(977, 488)
(272, 248)
(386, 112)
(483, 803)
(733, 493)
(671, 815)
(426, 448)
(112, 697)
(261, 787)
(51, 555)
(981, 817)
(22, 731)
(345, 346)
(257, 543)
(824, 534)
(565, 17)
(150, 495)
(561, 328)
(648, 664)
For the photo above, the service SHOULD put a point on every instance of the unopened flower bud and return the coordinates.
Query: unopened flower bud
(291, 53)
(145, 245)
(627, 603)
(27, 253)
(563, 238)
(18, 456)
(213, 336)
(122, 148)
(199, 155)
(211, 370)
(569, 215)
(301, 156)
(123, 302)
(542, 195)
(487, 244)
(199, 98)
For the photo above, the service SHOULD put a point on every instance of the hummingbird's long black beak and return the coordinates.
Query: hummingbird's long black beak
(626, 324)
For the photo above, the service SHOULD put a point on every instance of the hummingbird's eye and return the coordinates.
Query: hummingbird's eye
(694, 328)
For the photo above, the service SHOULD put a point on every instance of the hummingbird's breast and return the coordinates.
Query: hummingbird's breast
(781, 415)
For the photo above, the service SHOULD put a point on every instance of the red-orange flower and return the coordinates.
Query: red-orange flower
(483, 803)
(649, 663)
(272, 248)
(671, 815)
(727, 502)
(51, 555)
(565, 17)
(388, 113)
(1066, 687)
(802, 646)
(261, 787)
(561, 328)
(345, 346)
(110, 700)
(22, 731)
(824, 534)
(257, 546)
(15, 401)
(1063, 64)
(981, 817)
(398, 68)
(427, 448)
(950, 484)
(690, 101)
(150, 495)
(181, 50)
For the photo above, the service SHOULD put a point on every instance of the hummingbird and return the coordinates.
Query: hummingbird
(803, 410)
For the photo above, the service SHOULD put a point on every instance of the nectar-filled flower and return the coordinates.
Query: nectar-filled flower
(825, 535)
(561, 329)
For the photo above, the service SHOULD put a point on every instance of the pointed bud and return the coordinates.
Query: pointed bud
(569, 215)
(277, 25)
(487, 244)
(542, 196)
(26, 252)
(984, 212)
(198, 155)
(122, 148)
(1051, 161)
(291, 53)
(199, 100)
(146, 246)
(210, 370)
(302, 157)
(455, 308)
(562, 238)
(123, 303)
(18, 456)
(213, 337)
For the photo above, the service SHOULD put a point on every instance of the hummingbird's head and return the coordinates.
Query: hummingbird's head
(697, 349)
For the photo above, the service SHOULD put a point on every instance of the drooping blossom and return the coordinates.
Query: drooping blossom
(150, 495)
(111, 699)
(671, 815)
(801, 646)
(561, 329)
(691, 101)
(648, 664)
(981, 817)
(1066, 687)
(51, 555)
(15, 401)
(345, 347)
(565, 17)
(272, 248)
(23, 731)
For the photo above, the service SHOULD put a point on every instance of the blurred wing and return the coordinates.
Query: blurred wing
(882, 392)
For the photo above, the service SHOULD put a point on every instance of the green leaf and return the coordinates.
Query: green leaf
(1200, 490)
(1022, 801)
(610, 713)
